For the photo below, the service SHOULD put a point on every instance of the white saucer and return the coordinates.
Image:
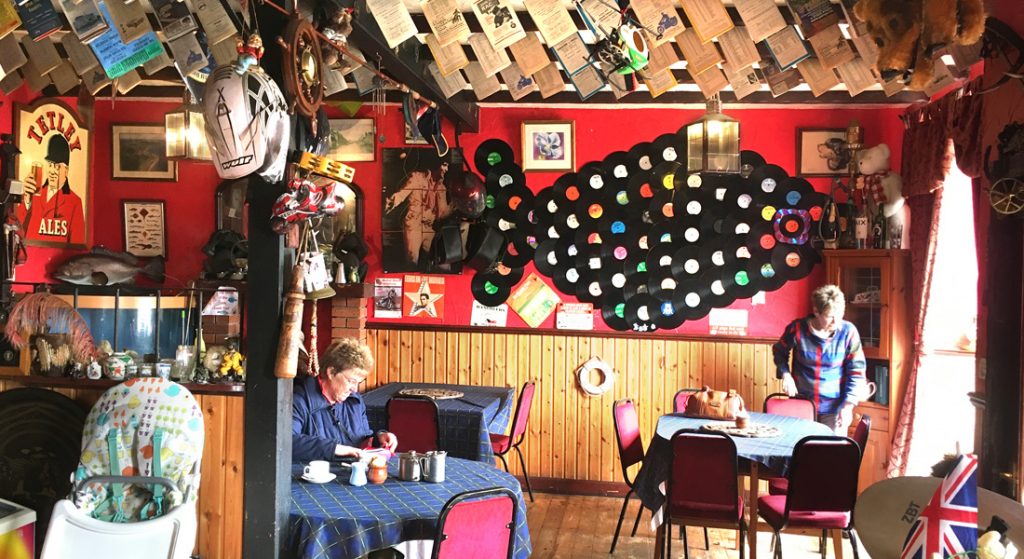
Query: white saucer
(325, 479)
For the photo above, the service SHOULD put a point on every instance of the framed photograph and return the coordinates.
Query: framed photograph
(140, 153)
(819, 152)
(145, 230)
(549, 145)
(353, 139)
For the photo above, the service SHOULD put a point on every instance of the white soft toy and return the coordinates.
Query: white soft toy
(884, 187)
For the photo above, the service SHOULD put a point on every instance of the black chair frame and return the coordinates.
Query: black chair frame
(668, 492)
(475, 495)
(437, 414)
(515, 445)
(625, 476)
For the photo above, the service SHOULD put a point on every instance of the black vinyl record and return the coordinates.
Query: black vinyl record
(565, 192)
(750, 160)
(767, 179)
(616, 248)
(518, 248)
(588, 256)
(691, 230)
(501, 176)
(547, 258)
(490, 153)
(696, 202)
(765, 272)
(667, 316)
(641, 157)
(501, 222)
(591, 176)
(792, 226)
(616, 165)
(815, 203)
(661, 284)
(514, 203)
(739, 282)
(490, 289)
(594, 208)
(660, 256)
(612, 280)
(718, 297)
(761, 241)
(720, 252)
(688, 263)
(692, 300)
(669, 147)
(739, 196)
(794, 262)
(663, 176)
(613, 312)
(639, 312)
(712, 223)
(794, 191)
(588, 288)
(739, 222)
(662, 206)
(542, 214)
(565, 279)
(662, 231)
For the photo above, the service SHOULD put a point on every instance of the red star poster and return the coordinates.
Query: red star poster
(423, 297)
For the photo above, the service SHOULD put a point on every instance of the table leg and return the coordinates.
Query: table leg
(752, 506)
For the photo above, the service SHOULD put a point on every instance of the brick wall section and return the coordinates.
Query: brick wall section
(348, 318)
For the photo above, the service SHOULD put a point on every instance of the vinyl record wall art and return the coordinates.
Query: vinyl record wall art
(646, 242)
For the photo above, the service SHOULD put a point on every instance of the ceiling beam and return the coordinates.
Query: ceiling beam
(406, 67)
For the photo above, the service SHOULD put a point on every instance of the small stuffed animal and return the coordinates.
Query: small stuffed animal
(910, 33)
(884, 187)
(231, 363)
(249, 53)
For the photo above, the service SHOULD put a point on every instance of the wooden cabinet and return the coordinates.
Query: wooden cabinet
(877, 291)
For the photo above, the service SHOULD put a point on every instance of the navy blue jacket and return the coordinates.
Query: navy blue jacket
(318, 426)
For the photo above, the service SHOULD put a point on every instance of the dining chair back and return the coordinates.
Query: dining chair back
(703, 487)
(631, 452)
(477, 524)
(415, 422)
(502, 444)
(680, 399)
(790, 406)
(860, 434)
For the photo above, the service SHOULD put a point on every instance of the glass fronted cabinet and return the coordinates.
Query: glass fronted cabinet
(875, 283)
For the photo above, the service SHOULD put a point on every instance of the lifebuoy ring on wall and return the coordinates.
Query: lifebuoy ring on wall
(604, 369)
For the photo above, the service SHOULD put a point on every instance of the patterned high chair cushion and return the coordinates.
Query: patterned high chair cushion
(129, 422)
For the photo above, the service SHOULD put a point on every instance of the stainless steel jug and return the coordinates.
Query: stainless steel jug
(433, 466)
(409, 466)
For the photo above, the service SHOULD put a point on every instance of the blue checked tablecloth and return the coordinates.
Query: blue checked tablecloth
(337, 521)
(466, 422)
(773, 452)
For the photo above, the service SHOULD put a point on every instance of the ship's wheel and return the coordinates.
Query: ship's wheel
(303, 67)
(1007, 196)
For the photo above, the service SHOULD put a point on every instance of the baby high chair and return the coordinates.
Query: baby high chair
(138, 477)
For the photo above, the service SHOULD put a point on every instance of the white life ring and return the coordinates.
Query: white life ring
(607, 376)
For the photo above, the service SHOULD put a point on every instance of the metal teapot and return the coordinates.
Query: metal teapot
(433, 466)
(409, 466)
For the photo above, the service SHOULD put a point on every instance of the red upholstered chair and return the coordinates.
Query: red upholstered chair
(782, 404)
(778, 485)
(679, 402)
(631, 452)
(822, 489)
(502, 444)
(703, 486)
(477, 525)
(416, 423)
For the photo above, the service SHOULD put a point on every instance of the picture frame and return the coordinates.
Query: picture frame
(549, 145)
(144, 227)
(139, 152)
(815, 157)
(353, 139)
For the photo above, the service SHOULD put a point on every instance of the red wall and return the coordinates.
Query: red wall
(771, 132)
(599, 131)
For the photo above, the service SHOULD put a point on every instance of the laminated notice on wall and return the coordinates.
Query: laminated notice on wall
(728, 322)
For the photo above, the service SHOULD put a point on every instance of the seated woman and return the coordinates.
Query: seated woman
(328, 415)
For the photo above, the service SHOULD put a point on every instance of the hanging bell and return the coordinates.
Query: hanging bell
(317, 283)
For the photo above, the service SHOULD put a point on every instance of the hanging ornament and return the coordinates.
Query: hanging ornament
(303, 67)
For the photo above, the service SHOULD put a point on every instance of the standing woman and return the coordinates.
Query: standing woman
(827, 357)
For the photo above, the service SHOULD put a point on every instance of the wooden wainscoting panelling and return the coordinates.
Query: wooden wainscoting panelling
(570, 434)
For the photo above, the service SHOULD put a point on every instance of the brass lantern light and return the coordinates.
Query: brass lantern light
(713, 141)
(185, 130)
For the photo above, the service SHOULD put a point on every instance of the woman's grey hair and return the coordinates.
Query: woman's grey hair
(347, 353)
(827, 297)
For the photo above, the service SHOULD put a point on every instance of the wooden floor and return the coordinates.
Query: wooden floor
(570, 526)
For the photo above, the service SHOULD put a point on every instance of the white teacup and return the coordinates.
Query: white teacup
(317, 469)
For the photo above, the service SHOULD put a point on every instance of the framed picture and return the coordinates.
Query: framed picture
(820, 153)
(549, 145)
(352, 139)
(413, 137)
(54, 163)
(140, 153)
(145, 230)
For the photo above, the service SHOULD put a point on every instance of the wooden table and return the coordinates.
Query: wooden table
(773, 453)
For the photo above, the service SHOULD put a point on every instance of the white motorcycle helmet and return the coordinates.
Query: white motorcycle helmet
(247, 124)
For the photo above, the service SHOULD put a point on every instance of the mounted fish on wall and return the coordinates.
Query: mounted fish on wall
(54, 167)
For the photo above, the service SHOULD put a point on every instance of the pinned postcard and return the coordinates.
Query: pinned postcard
(489, 316)
(533, 300)
(387, 298)
(575, 316)
(424, 296)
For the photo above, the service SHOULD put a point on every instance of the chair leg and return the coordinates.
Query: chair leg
(636, 523)
(622, 514)
(522, 462)
(686, 544)
(743, 539)
(503, 461)
(853, 542)
(822, 542)
(707, 543)
(778, 545)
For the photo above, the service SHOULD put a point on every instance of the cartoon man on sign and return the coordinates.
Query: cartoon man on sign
(49, 209)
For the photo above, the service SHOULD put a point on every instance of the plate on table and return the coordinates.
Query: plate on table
(432, 393)
(754, 430)
(329, 477)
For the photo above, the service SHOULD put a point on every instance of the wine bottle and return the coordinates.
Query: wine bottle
(861, 227)
(878, 230)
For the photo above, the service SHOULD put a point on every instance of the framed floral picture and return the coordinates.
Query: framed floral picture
(140, 153)
(549, 145)
(352, 139)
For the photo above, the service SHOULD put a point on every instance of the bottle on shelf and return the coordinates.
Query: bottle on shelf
(861, 227)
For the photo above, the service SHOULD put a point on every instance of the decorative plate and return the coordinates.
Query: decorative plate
(432, 393)
(751, 430)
